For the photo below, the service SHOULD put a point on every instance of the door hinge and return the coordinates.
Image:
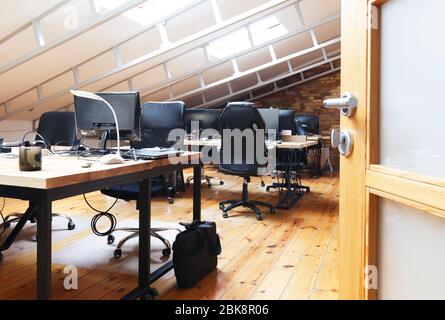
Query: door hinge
(373, 16)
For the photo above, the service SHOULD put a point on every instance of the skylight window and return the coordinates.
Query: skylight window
(228, 45)
(147, 13)
(266, 30)
(103, 6)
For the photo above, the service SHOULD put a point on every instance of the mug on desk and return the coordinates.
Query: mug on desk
(30, 158)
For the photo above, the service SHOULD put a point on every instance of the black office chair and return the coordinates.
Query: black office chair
(242, 116)
(207, 119)
(55, 129)
(58, 129)
(157, 120)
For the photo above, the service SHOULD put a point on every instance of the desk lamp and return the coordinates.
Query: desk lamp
(110, 158)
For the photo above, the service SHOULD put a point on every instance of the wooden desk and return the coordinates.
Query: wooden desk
(203, 143)
(295, 145)
(290, 188)
(63, 177)
(283, 145)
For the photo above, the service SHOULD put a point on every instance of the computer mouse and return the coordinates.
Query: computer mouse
(86, 165)
(112, 159)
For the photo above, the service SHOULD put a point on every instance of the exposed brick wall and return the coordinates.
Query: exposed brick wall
(307, 98)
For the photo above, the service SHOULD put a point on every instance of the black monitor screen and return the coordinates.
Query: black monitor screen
(271, 118)
(207, 118)
(94, 117)
(307, 124)
(287, 120)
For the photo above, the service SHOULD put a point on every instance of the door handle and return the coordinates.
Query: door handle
(347, 104)
(343, 141)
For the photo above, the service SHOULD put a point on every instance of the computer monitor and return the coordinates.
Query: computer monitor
(207, 118)
(271, 118)
(307, 124)
(95, 120)
(287, 120)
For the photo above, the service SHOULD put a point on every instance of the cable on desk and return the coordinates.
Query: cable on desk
(101, 214)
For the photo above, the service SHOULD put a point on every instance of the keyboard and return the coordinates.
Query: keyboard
(151, 154)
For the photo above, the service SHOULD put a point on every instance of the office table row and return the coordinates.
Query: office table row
(63, 177)
(290, 187)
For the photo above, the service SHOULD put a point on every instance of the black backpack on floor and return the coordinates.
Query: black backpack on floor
(195, 253)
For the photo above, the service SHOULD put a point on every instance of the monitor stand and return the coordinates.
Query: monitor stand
(102, 150)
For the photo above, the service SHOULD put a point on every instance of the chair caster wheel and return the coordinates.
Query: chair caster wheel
(166, 252)
(225, 215)
(110, 239)
(221, 207)
(259, 218)
(71, 226)
(221, 183)
(2, 258)
(118, 253)
(171, 201)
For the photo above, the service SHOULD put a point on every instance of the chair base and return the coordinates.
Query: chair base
(205, 178)
(21, 220)
(229, 205)
(15, 218)
(134, 233)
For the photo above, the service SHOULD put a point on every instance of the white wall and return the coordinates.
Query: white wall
(13, 130)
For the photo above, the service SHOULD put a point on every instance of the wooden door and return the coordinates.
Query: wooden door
(392, 198)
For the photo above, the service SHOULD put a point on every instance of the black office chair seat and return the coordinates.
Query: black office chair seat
(130, 192)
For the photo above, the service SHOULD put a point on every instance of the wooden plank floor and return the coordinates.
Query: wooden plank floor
(290, 255)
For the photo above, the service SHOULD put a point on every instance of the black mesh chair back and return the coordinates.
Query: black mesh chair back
(246, 118)
(58, 128)
(158, 119)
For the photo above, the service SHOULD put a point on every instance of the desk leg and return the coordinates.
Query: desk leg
(197, 174)
(144, 233)
(44, 248)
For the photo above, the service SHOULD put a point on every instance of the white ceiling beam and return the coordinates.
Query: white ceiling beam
(232, 23)
(93, 7)
(259, 68)
(76, 75)
(249, 91)
(130, 84)
(117, 56)
(216, 11)
(164, 35)
(272, 52)
(96, 21)
(29, 24)
(38, 33)
(209, 65)
(295, 83)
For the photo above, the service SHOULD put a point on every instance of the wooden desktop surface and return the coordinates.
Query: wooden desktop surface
(283, 145)
(58, 171)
